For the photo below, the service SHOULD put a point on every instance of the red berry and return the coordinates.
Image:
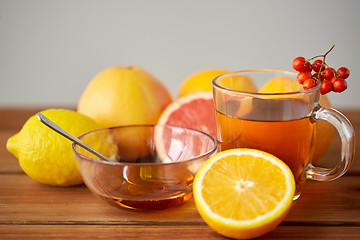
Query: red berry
(332, 80)
(299, 64)
(325, 76)
(326, 87)
(309, 83)
(328, 73)
(317, 64)
(302, 76)
(343, 72)
(318, 76)
(339, 85)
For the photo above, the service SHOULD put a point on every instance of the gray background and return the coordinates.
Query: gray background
(50, 50)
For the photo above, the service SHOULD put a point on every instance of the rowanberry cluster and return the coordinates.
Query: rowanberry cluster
(331, 80)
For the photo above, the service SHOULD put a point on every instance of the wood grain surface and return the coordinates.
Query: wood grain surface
(31, 210)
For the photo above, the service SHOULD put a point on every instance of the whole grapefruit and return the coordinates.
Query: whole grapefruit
(124, 96)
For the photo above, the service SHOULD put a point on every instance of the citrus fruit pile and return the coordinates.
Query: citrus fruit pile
(232, 192)
(194, 106)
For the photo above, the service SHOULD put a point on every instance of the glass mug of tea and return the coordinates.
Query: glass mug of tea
(273, 113)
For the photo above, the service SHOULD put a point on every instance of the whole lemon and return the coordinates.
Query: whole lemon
(124, 96)
(45, 155)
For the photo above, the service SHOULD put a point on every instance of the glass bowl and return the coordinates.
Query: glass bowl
(152, 166)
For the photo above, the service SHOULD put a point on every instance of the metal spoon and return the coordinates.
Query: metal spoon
(61, 131)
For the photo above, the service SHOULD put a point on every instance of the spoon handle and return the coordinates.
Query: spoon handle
(61, 131)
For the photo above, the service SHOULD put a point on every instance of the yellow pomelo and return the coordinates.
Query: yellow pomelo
(241, 83)
(281, 84)
(45, 155)
(237, 82)
(243, 193)
(324, 130)
(200, 81)
(124, 96)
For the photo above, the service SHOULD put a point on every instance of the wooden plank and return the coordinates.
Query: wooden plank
(8, 162)
(14, 119)
(331, 202)
(25, 201)
(32, 210)
(166, 232)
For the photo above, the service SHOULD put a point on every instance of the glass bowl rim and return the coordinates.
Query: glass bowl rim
(209, 153)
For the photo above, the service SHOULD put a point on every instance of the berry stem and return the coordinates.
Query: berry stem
(322, 55)
(329, 50)
(323, 61)
(330, 79)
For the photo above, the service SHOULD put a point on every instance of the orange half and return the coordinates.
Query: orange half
(243, 193)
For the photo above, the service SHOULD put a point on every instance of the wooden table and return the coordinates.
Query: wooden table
(30, 210)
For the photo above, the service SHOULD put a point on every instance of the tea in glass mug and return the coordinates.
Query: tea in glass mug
(280, 123)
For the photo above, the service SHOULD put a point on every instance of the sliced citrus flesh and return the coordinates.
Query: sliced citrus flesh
(243, 193)
(191, 111)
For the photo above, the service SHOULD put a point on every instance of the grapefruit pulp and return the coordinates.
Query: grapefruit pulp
(194, 111)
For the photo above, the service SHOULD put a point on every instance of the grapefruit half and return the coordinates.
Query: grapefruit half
(195, 111)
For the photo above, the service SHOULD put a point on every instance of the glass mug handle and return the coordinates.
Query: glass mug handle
(347, 136)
